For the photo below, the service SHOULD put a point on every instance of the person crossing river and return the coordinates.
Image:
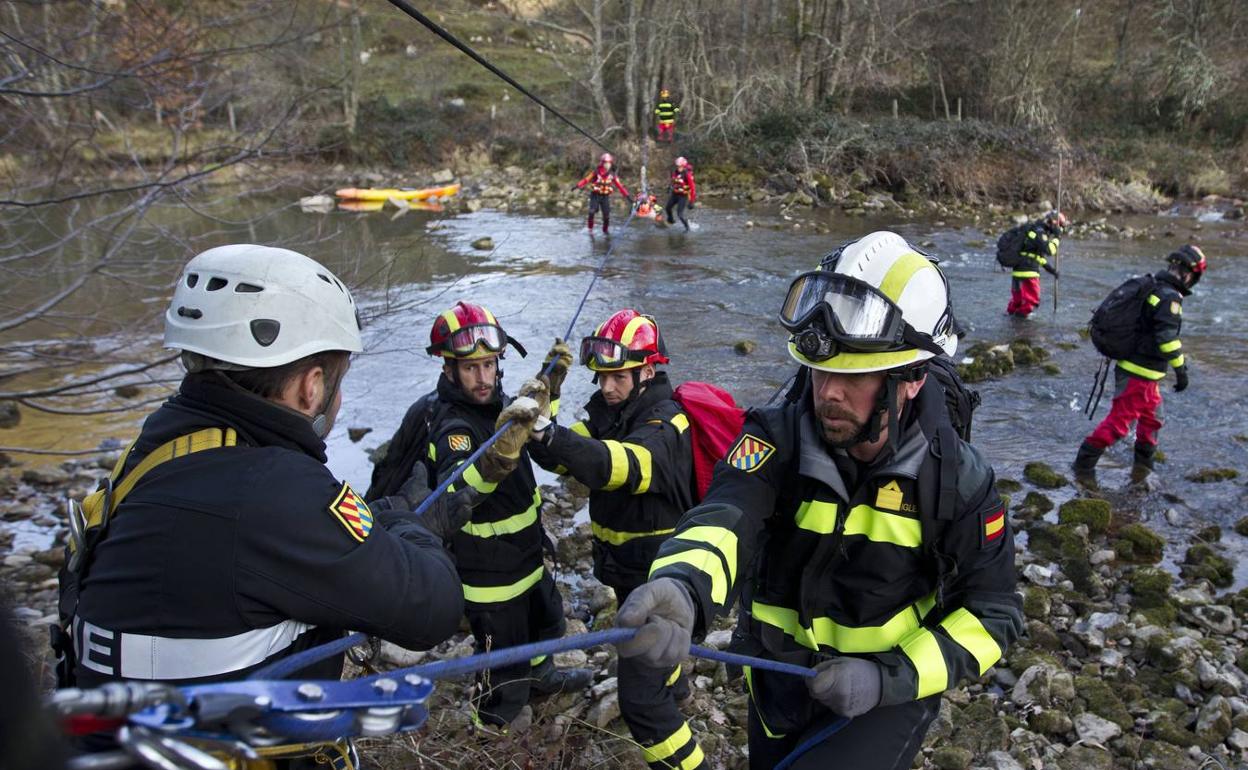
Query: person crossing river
(635, 454)
(829, 512)
(600, 182)
(684, 191)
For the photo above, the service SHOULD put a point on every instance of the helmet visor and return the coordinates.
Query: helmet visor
(607, 353)
(465, 341)
(855, 313)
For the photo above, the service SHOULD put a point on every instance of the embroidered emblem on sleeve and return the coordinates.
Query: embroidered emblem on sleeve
(750, 453)
(889, 497)
(459, 442)
(994, 525)
(352, 513)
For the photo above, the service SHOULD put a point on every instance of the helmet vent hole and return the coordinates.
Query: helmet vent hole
(190, 312)
(217, 283)
(265, 331)
(191, 280)
(325, 278)
(248, 288)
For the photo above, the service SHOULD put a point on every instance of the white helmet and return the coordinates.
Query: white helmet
(254, 306)
(875, 304)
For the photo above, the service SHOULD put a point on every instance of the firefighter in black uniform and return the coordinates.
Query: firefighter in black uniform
(823, 503)
(510, 598)
(635, 455)
(226, 543)
(1137, 380)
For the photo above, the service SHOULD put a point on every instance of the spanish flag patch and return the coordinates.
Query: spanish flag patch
(352, 513)
(994, 525)
(750, 453)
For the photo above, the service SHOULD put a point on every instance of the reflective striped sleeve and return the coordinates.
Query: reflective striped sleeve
(981, 617)
(1167, 323)
(641, 463)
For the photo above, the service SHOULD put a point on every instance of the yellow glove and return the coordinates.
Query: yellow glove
(522, 414)
(536, 390)
(561, 354)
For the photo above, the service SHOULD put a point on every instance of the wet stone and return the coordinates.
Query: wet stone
(1213, 475)
(1093, 513)
(1241, 526)
(952, 758)
(10, 415)
(745, 347)
(1043, 476)
(1138, 543)
(1202, 562)
(355, 434)
(483, 244)
(1086, 758)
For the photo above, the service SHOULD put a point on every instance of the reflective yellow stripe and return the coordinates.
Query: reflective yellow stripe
(538, 660)
(671, 680)
(749, 684)
(669, 745)
(620, 538)
(508, 526)
(554, 408)
(681, 422)
(1154, 300)
(883, 527)
(1172, 345)
(704, 561)
(644, 465)
(580, 429)
(433, 452)
(1178, 361)
(1025, 274)
(966, 629)
(693, 760)
(1142, 371)
(816, 516)
(924, 652)
(490, 594)
(721, 539)
(472, 477)
(871, 361)
(899, 275)
(619, 465)
(826, 632)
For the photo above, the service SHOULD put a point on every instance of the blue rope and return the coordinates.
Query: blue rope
(811, 742)
(301, 660)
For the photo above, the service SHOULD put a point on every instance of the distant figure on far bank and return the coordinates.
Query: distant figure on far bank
(1138, 326)
(1026, 249)
(684, 192)
(665, 114)
(600, 182)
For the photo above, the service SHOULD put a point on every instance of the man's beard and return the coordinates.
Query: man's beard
(842, 438)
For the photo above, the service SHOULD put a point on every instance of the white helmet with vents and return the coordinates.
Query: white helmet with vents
(248, 306)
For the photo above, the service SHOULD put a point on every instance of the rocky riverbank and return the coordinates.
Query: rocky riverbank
(1125, 664)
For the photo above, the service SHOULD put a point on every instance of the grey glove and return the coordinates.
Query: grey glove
(448, 514)
(848, 686)
(663, 614)
(1180, 378)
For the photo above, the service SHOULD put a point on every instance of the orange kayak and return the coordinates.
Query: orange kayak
(385, 194)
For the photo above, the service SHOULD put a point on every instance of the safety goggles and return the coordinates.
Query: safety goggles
(466, 340)
(856, 314)
(609, 354)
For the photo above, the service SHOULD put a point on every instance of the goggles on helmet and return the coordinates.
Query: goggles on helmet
(856, 315)
(465, 340)
(609, 354)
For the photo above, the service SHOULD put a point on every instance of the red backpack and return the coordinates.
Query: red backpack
(715, 420)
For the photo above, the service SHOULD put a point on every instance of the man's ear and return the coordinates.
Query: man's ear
(647, 372)
(910, 390)
(312, 390)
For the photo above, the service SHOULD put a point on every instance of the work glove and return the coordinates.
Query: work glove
(662, 611)
(504, 454)
(848, 686)
(1052, 271)
(692, 205)
(561, 354)
(537, 390)
(448, 514)
(1180, 378)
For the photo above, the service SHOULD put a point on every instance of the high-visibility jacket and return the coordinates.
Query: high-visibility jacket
(666, 112)
(683, 184)
(836, 564)
(637, 460)
(221, 560)
(1037, 247)
(600, 182)
(1163, 319)
(499, 551)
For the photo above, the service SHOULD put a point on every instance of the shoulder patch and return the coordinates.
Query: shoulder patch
(994, 524)
(750, 453)
(352, 513)
(1175, 307)
(889, 497)
(459, 442)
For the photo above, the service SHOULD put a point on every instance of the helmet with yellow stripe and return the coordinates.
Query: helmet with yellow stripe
(875, 304)
(626, 340)
(468, 331)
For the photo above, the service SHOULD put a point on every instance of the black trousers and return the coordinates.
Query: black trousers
(533, 616)
(679, 202)
(650, 711)
(885, 738)
(600, 202)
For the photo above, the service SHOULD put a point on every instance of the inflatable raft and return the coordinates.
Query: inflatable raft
(385, 194)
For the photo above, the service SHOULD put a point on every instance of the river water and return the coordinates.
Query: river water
(720, 284)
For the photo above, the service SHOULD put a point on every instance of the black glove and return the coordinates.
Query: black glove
(663, 614)
(1180, 378)
(848, 686)
(1052, 271)
(448, 514)
(691, 205)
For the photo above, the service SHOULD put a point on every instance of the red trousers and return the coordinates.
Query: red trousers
(1135, 400)
(667, 130)
(1024, 296)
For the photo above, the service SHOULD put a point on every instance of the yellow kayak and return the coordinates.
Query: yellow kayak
(385, 194)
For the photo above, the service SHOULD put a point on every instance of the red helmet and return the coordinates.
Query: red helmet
(1191, 258)
(1056, 219)
(468, 331)
(606, 158)
(626, 340)
(682, 161)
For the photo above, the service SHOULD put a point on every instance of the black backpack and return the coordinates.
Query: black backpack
(406, 448)
(1118, 322)
(1009, 247)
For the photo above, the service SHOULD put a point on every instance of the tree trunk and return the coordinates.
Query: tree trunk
(597, 87)
(630, 68)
